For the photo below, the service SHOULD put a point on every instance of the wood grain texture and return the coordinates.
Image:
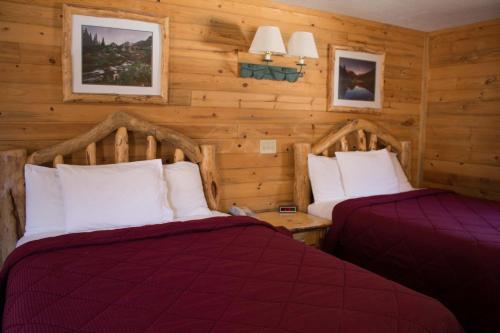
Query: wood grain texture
(210, 176)
(12, 200)
(152, 147)
(462, 151)
(306, 228)
(90, 154)
(178, 155)
(121, 145)
(302, 183)
(59, 159)
(208, 101)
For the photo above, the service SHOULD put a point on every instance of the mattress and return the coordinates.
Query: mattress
(28, 238)
(323, 209)
(221, 274)
(437, 242)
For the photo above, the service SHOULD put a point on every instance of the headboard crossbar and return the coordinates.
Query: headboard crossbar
(121, 123)
(338, 137)
(361, 127)
(12, 185)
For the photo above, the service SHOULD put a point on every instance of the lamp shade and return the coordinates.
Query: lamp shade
(301, 44)
(268, 39)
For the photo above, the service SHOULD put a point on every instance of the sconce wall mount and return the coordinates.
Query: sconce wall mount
(268, 41)
(267, 72)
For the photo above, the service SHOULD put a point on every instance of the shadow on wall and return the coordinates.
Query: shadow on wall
(231, 37)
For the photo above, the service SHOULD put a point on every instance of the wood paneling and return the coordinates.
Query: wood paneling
(207, 99)
(462, 150)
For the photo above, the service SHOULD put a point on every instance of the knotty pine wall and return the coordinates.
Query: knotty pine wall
(208, 101)
(463, 118)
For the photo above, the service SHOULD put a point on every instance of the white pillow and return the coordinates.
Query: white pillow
(44, 202)
(325, 178)
(113, 196)
(404, 184)
(185, 189)
(367, 173)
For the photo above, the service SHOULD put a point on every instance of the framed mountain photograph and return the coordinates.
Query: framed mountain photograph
(355, 81)
(112, 56)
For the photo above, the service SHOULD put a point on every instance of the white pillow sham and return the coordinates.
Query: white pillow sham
(185, 189)
(326, 182)
(367, 173)
(113, 196)
(44, 201)
(404, 184)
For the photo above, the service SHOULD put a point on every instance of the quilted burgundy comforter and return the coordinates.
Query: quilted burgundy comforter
(226, 274)
(439, 243)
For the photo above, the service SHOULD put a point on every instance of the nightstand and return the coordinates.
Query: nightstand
(305, 228)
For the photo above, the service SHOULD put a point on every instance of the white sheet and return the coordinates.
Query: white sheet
(323, 209)
(29, 238)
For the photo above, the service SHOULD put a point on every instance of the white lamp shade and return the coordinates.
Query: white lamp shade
(268, 39)
(301, 44)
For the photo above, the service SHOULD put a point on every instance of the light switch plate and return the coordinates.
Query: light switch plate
(268, 146)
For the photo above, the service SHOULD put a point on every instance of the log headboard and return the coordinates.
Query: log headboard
(367, 136)
(12, 189)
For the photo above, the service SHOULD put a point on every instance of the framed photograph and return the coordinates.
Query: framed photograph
(355, 80)
(113, 56)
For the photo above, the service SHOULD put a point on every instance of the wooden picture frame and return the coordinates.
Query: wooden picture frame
(157, 93)
(335, 103)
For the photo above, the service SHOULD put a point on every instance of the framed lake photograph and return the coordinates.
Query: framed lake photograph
(355, 80)
(113, 56)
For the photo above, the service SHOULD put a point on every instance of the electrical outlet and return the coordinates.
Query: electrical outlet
(268, 146)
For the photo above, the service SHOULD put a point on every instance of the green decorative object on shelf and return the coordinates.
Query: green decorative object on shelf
(266, 72)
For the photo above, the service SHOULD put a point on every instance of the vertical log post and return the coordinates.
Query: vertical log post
(178, 155)
(90, 154)
(210, 176)
(405, 158)
(12, 200)
(302, 184)
(344, 145)
(121, 145)
(361, 140)
(151, 148)
(59, 159)
(373, 141)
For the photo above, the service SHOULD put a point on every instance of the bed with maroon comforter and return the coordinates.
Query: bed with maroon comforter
(437, 242)
(224, 274)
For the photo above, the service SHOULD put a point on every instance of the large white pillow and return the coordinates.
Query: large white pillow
(44, 202)
(185, 189)
(404, 184)
(325, 178)
(367, 173)
(113, 196)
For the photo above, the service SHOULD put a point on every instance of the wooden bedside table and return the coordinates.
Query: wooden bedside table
(304, 227)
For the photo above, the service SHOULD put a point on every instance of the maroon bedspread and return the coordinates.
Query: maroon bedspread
(229, 274)
(439, 243)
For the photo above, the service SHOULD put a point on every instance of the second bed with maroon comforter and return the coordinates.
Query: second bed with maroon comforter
(226, 274)
(437, 242)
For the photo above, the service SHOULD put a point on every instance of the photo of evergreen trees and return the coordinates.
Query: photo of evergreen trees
(112, 56)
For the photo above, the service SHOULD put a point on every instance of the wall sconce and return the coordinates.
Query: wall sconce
(301, 44)
(268, 41)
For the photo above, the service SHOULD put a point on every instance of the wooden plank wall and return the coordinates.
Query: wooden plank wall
(463, 121)
(208, 101)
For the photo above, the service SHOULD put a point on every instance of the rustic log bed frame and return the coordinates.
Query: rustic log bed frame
(337, 140)
(12, 185)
